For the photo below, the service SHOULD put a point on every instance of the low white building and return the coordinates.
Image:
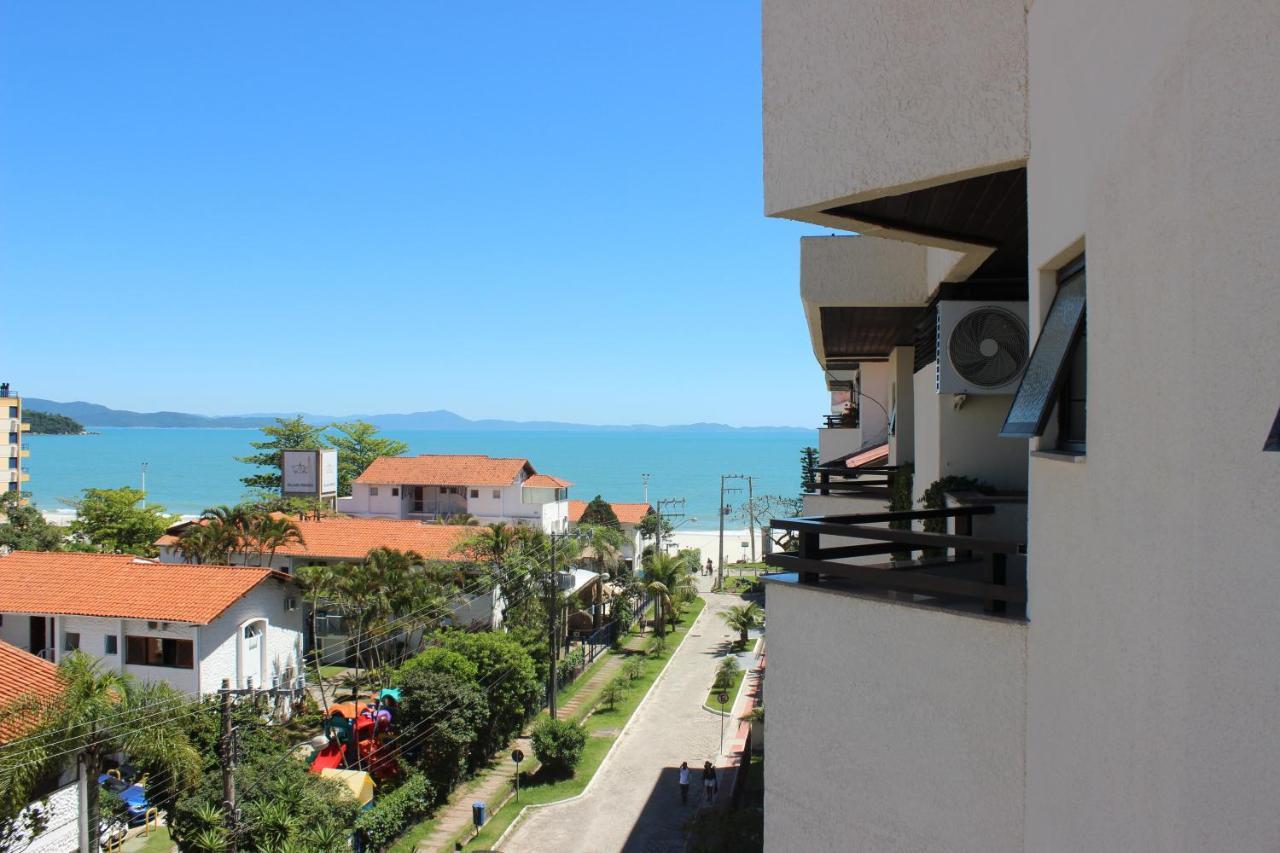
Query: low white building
(629, 518)
(190, 626)
(435, 486)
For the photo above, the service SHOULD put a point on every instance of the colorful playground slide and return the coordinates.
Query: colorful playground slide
(329, 757)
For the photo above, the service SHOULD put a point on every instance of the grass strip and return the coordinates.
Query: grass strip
(713, 701)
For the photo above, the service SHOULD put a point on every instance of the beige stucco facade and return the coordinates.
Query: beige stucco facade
(1147, 681)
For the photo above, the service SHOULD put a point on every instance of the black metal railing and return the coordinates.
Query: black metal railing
(941, 569)
(849, 420)
(875, 481)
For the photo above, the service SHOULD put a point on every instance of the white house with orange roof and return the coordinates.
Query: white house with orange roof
(629, 518)
(189, 626)
(434, 486)
(333, 539)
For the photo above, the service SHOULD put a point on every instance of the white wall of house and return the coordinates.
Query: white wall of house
(911, 738)
(61, 814)
(224, 649)
(1154, 680)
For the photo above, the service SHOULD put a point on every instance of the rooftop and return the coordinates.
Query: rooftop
(348, 538)
(626, 513)
(121, 586)
(23, 674)
(441, 469)
(546, 481)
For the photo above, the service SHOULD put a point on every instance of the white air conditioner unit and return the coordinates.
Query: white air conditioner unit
(564, 580)
(983, 347)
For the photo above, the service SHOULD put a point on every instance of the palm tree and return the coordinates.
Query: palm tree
(667, 579)
(460, 519)
(606, 545)
(742, 618)
(99, 713)
(317, 584)
(271, 532)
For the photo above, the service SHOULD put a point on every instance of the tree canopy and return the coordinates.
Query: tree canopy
(599, 511)
(116, 521)
(43, 423)
(24, 528)
(358, 444)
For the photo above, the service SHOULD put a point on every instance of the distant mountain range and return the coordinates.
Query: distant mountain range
(94, 415)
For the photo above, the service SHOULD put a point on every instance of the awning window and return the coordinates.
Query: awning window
(1038, 390)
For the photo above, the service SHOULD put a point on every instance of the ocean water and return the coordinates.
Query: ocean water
(190, 469)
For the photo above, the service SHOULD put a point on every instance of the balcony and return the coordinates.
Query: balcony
(837, 125)
(955, 571)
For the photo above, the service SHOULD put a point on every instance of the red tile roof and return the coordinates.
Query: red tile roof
(546, 481)
(626, 513)
(121, 586)
(870, 456)
(23, 674)
(444, 470)
(345, 537)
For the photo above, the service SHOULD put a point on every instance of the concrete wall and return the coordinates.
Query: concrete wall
(912, 736)
(61, 812)
(866, 96)
(838, 441)
(1154, 680)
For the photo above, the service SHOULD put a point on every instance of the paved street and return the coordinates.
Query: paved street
(633, 804)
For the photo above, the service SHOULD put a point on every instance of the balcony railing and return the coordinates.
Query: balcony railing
(848, 420)
(952, 570)
(875, 482)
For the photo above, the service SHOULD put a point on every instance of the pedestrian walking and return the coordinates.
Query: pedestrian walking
(708, 783)
(709, 569)
(684, 783)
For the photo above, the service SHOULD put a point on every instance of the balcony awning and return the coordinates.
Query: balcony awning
(866, 456)
(854, 334)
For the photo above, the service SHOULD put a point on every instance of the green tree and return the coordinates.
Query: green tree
(648, 525)
(667, 579)
(612, 692)
(808, 467)
(24, 528)
(99, 713)
(558, 745)
(43, 423)
(358, 444)
(116, 521)
(287, 434)
(449, 712)
(599, 511)
(742, 618)
(507, 673)
(605, 546)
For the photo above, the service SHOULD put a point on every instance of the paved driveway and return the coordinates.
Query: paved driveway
(633, 803)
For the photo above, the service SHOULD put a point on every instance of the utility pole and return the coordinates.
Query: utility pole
(667, 502)
(553, 641)
(644, 478)
(720, 510)
(751, 516)
(228, 755)
(144, 485)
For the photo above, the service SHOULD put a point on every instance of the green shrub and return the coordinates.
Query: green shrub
(393, 813)
(726, 672)
(558, 745)
(612, 692)
(633, 668)
(657, 645)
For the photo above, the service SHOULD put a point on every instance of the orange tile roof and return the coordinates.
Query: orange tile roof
(546, 481)
(346, 537)
(626, 513)
(23, 674)
(444, 470)
(121, 586)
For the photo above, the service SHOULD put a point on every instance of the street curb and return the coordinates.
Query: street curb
(521, 814)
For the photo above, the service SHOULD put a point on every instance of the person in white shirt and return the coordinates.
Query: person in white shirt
(684, 783)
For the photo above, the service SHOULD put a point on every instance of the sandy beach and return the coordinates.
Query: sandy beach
(737, 544)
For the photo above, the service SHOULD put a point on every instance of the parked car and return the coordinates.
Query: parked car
(132, 793)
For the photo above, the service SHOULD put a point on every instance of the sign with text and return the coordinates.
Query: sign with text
(309, 472)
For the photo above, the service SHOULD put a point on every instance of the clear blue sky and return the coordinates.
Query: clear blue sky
(515, 210)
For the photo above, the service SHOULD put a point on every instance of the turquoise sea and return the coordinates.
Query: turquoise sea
(190, 469)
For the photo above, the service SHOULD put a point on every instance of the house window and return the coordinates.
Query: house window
(497, 493)
(1056, 373)
(395, 491)
(110, 645)
(475, 493)
(159, 651)
(373, 491)
(71, 641)
(254, 629)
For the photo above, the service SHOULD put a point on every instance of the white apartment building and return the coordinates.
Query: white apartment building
(1064, 288)
(190, 626)
(434, 486)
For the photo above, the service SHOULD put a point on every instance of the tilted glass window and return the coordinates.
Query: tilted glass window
(1273, 439)
(1041, 383)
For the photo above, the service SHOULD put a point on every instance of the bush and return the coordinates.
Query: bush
(508, 677)
(633, 668)
(570, 665)
(441, 718)
(657, 645)
(612, 692)
(558, 745)
(393, 813)
(726, 672)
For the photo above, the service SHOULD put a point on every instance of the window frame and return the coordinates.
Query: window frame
(373, 491)
(71, 641)
(475, 494)
(170, 652)
(110, 644)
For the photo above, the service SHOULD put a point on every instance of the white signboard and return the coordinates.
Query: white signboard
(328, 472)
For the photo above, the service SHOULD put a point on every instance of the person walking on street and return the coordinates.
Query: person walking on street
(684, 783)
(708, 783)
(709, 569)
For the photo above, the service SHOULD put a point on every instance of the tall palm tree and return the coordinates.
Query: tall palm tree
(317, 584)
(742, 618)
(99, 713)
(272, 532)
(606, 545)
(667, 578)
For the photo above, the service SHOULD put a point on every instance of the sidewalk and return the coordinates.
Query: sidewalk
(493, 783)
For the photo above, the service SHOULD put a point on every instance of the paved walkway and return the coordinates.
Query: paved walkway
(633, 803)
(492, 784)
